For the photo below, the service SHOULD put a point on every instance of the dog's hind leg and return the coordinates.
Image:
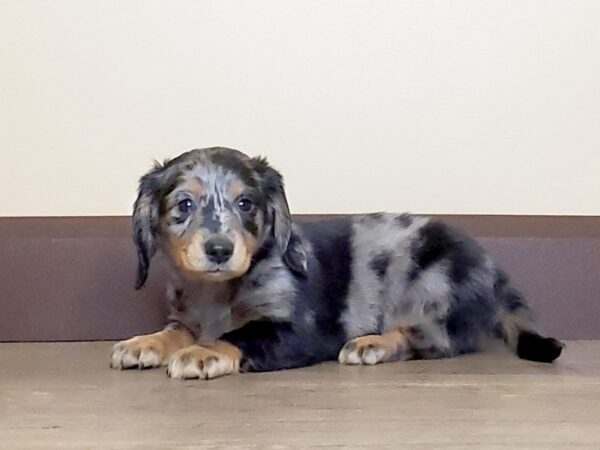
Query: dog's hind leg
(516, 324)
(401, 344)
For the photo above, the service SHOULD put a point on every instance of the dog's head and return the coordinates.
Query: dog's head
(210, 211)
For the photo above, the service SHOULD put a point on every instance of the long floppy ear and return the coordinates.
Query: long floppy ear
(289, 243)
(145, 222)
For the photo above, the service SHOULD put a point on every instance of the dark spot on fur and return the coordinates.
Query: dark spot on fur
(210, 221)
(404, 220)
(262, 278)
(501, 281)
(177, 300)
(498, 332)
(439, 242)
(416, 333)
(178, 220)
(505, 293)
(453, 324)
(441, 322)
(471, 316)
(431, 308)
(232, 162)
(251, 226)
(245, 365)
(513, 301)
(431, 248)
(534, 347)
(380, 263)
(263, 252)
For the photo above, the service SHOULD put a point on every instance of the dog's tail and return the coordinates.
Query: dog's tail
(516, 325)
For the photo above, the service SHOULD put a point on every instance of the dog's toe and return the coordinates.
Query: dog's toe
(141, 351)
(199, 362)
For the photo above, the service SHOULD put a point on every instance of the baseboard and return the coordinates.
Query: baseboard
(71, 278)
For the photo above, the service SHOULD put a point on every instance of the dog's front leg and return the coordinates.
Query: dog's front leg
(151, 350)
(258, 346)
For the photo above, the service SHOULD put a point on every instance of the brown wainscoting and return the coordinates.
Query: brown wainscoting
(71, 278)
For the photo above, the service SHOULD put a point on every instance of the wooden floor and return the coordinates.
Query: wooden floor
(64, 396)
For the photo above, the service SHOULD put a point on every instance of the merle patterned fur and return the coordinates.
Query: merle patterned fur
(313, 286)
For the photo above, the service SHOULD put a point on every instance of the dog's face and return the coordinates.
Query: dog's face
(212, 222)
(210, 211)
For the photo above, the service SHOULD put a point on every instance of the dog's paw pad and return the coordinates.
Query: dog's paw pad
(141, 351)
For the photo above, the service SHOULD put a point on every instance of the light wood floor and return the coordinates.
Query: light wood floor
(64, 396)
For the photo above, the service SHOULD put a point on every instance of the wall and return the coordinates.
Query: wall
(432, 106)
(71, 278)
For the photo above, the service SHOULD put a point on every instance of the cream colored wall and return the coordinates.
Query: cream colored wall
(432, 106)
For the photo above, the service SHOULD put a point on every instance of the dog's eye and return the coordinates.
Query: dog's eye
(185, 206)
(244, 204)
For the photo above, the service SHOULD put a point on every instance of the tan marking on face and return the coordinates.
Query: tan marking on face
(189, 255)
(250, 242)
(192, 185)
(235, 189)
(187, 250)
(244, 248)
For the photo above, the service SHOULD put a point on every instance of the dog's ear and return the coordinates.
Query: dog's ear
(145, 221)
(288, 242)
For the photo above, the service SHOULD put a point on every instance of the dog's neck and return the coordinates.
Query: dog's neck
(209, 309)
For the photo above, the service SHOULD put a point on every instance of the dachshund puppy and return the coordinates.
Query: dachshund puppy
(252, 291)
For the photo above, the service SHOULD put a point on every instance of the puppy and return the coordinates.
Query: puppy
(252, 291)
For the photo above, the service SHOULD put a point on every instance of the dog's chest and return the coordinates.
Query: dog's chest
(209, 310)
(202, 308)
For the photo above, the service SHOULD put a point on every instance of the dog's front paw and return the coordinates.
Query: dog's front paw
(141, 351)
(202, 362)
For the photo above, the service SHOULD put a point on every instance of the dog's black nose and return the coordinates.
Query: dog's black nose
(218, 249)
